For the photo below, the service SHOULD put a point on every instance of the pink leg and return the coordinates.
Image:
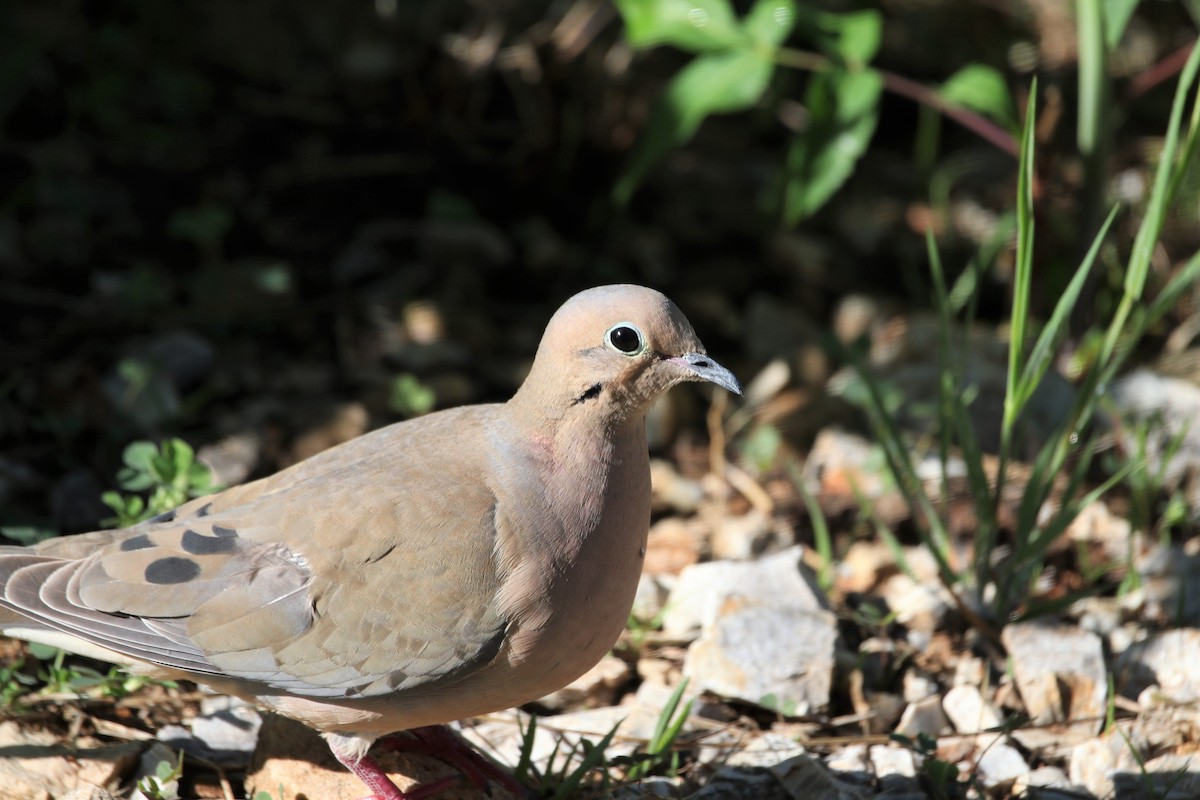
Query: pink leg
(441, 742)
(381, 786)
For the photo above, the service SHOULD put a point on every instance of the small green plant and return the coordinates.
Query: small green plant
(164, 783)
(409, 397)
(660, 754)
(1153, 509)
(732, 69)
(263, 794)
(562, 781)
(14, 683)
(60, 676)
(785, 706)
(170, 473)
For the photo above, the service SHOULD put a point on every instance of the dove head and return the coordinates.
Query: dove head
(611, 351)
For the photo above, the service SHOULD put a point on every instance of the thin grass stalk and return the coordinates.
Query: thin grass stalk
(1152, 222)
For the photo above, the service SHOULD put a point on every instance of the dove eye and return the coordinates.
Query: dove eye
(625, 338)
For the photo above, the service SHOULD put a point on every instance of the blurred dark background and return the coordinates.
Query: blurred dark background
(266, 225)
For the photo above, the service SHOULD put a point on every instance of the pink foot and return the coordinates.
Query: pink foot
(381, 786)
(440, 742)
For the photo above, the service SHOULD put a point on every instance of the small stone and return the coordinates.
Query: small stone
(850, 763)
(1170, 659)
(1096, 525)
(894, 767)
(1093, 763)
(917, 604)
(1060, 672)
(596, 687)
(923, 716)
(781, 579)
(806, 778)
(864, 566)
(918, 685)
(672, 545)
(743, 537)
(1170, 585)
(777, 657)
(225, 735)
(967, 710)
(650, 597)
(1044, 777)
(1000, 763)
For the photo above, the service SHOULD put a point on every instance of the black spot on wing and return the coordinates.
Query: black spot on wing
(172, 569)
(139, 542)
(203, 510)
(166, 516)
(199, 545)
(223, 532)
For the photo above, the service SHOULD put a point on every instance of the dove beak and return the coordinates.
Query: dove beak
(705, 369)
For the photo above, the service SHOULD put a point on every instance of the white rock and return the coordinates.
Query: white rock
(778, 657)
(894, 767)
(1041, 778)
(1000, 763)
(781, 579)
(850, 761)
(1046, 659)
(968, 711)
(918, 685)
(742, 537)
(1170, 659)
(923, 716)
(1093, 763)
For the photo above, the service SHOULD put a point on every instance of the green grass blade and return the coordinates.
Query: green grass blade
(1023, 269)
(1043, 350)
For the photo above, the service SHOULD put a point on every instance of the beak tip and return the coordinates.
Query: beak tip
(705, 369)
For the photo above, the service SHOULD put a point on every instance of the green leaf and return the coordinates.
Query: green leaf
(180, 454)
(1116, 19)
(43, 652)
(27, 534)
(698, 26)
(851, 38)
(140, 455)
(770, 22)
(843, 107)
(712, 84)
(983, 89)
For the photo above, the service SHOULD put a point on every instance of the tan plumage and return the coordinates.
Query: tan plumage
(459, 563)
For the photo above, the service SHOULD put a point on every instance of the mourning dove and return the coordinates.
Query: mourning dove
(444, 567)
